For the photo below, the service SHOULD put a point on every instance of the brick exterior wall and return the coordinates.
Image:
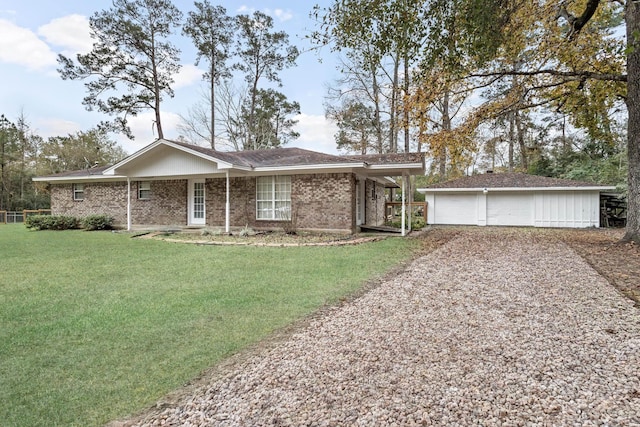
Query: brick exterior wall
(319, 201)
(103, 198)
(167, 204)
(325, 201)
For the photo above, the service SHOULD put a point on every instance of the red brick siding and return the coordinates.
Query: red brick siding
(320, 201)
(325, 201)
(104, 198)
(242, 201)
(167, 204)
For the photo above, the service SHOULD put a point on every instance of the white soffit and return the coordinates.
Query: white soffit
(166, 161)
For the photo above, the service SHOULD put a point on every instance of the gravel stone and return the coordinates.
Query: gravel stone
(499, 332)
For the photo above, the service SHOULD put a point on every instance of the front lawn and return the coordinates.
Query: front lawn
(97, 325)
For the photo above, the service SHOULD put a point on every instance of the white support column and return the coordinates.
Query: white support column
(128, 204)
(404, 206)
(410, 193)
(482, 208)
(227, 208)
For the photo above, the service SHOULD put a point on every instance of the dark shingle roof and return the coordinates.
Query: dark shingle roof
(81, 173)
(299, 157)
(510, 180)
(389, 158)
(273, 157)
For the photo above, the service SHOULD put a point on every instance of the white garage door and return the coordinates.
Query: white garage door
(458, 208)
(510, 209)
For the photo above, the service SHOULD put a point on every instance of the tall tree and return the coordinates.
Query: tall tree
(19, 161)
(8, 154)
(263, 53)
(131, 56)
(360, 90)
(211, 31)
(592, 64)
(632, 19)
(82, 150)
(357, 130)
(378, 32)
(272, 120)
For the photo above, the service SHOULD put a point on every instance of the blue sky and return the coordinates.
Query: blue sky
(34, 32)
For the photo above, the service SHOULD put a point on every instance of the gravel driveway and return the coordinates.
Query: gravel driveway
(503, 331)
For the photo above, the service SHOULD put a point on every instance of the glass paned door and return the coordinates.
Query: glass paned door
(359, 200)
(197, 205)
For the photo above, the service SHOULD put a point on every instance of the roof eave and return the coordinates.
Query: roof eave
(310, 167)
(78, 178)
(512, 189)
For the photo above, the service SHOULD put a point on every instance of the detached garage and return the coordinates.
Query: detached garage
(514, 199)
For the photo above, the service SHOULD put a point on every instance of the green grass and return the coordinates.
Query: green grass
(97, 325)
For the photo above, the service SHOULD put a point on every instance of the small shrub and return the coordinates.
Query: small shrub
(417, 223)
(246, 231)
(97, 222)
(51, 222)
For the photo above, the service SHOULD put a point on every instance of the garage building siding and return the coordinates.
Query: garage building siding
(514, 200)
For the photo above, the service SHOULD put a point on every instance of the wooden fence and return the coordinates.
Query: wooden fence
(394, 210)
(11, 217)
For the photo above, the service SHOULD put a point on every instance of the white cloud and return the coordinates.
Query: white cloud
(188, 75)
(282, 15)
(71, 32)
(316, 133)
(48, 127)
(144, 130)
(21, 46)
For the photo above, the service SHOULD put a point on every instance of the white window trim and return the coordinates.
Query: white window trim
(78, 189)
(272, 200)
(147, 187)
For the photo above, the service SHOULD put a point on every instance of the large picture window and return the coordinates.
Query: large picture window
(78, 191)
(273, 198)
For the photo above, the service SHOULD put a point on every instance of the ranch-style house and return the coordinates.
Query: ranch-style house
(174, 184)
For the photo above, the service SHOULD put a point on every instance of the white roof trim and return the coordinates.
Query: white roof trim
(308, 167)
(221, 163)
(512, 189)
(79, 178)
(395, 166)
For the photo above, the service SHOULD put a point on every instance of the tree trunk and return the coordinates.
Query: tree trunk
(521, 143)
(407, 148)
(446, 127)
(633, 125)
(213, 101)
(376, 103)
(393, 132)
(512, 137)
(251, 128)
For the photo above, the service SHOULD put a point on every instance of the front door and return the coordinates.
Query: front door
(359, 202)
(196, 202)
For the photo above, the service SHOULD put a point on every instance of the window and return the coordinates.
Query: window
(144, 190)
(273, 198)
(78, 191)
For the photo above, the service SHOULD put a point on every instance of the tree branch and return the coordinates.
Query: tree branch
(568, 75)
(577, 23)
